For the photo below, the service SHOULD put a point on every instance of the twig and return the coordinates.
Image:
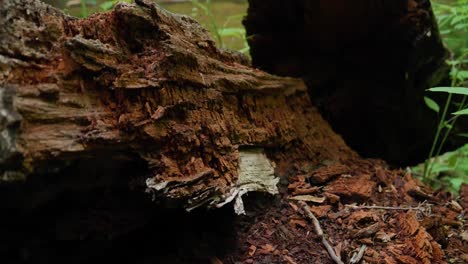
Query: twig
(358, 256)
(421, 207)
(319, 231)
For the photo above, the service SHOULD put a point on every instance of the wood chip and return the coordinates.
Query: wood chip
(308, 198)
(360, 187)
(325, 174)
(267, 248)
(289, 259)
(367, 231)
(252, 250)
(456, 206)
(464, 235)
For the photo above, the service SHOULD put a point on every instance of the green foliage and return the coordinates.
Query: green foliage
(445, 125)
(107, 5)
(449, 170)
(452, 17)
(87, 7)
(84, 8)
(461, 112)
(207, 9)
(202, 10)
(432, 104)
(453, 24)
(452, 90)
(220, 32)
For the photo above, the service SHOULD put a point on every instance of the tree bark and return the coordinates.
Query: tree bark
(96, 111)
(139, 83)
(366, 63)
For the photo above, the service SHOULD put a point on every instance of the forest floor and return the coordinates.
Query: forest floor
(358, 202)
(401, 221)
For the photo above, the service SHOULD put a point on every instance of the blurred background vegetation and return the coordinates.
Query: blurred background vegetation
(448, 171)
(224, 20)
(222, 17)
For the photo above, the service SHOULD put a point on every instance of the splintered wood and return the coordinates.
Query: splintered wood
(256, 174)
(148, 86)
(96, 111)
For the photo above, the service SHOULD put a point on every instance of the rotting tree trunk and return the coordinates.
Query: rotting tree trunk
(141, 83)
(94, 112)
(367, 65)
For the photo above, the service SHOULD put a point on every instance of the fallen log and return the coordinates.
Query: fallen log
(141, 83)
(96, 111)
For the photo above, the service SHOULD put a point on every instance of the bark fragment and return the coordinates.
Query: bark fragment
(93, 109)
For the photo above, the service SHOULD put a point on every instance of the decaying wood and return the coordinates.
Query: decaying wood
(141, 83)
(96, 111)
(367, 65)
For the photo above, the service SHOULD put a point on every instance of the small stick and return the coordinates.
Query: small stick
(357, 257)
(319, 231)
(419, 207)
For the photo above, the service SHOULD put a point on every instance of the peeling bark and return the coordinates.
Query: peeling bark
(141, 83)
(94, 111)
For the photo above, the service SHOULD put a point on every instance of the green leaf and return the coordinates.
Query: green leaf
(84, 8)
(232, 32)
(461, 26)
(462, 75)
(445, 31)
(447, 125)
(461, 112)
(106, 5)
(452, 160)
(432, 104)
(201, 6)
(463, 135)
(236, 16)
(458, 18)
(456, 183)
(245, 50)
(438, 168)
(452, 90)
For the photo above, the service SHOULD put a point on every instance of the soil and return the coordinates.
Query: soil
(434, 231)
(133, 229)
(96, 189)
